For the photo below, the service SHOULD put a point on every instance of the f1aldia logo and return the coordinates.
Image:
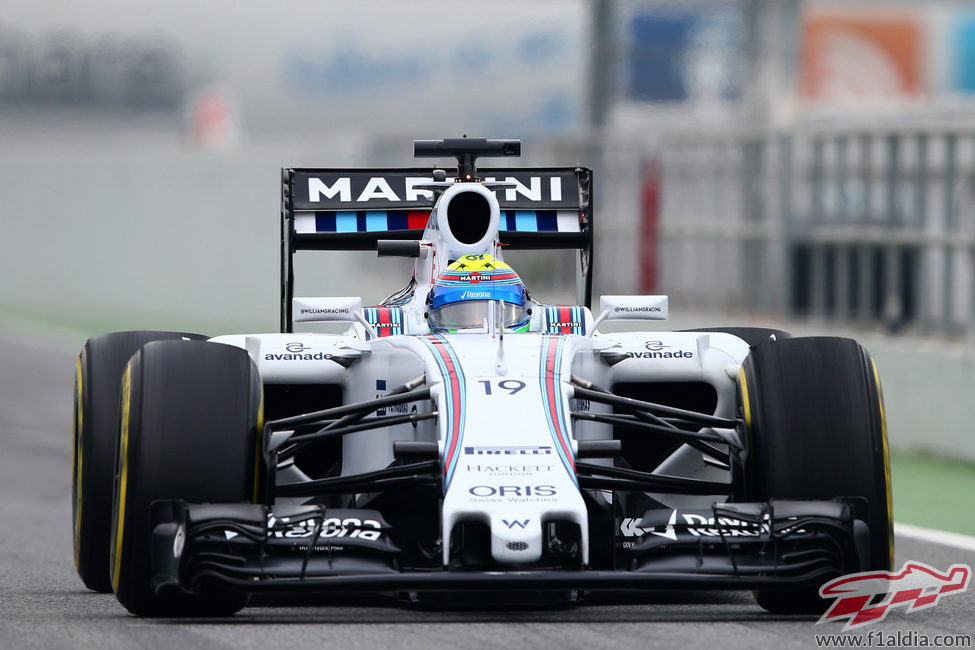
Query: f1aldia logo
(916, 585)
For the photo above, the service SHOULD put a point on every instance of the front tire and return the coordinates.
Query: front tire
(98, 374)
(191, 418)
(814, 414)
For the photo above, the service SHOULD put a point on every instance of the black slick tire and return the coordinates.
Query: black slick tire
(816, 428)
(98, 375)
(191, 417)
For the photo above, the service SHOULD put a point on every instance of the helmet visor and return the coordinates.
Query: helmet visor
(471, 314)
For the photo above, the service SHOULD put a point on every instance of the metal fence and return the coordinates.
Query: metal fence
(870, 225)
(867, 225)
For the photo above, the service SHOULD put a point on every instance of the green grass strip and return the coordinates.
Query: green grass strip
(933, 492)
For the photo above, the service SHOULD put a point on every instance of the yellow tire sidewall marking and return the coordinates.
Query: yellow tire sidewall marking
(123, 475)
(747, 408)
(744, 397)
(883, 427)
(260, 443)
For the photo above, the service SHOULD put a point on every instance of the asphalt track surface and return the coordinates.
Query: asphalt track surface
(44, 605)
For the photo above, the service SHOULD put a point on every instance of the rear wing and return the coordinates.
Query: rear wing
(352, 209)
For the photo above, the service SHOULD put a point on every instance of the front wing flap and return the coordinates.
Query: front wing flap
(252, 542)
(783, 538)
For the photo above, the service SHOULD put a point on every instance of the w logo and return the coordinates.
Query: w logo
(916, 585)
(515, 522)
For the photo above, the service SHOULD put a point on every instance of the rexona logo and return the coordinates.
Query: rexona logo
(917, 586)
(474, 295)
(508, 451)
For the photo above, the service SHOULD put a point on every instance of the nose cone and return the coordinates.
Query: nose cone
(516, 539)
(505, 461)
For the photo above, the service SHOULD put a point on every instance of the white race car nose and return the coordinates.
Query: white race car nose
(516, 539)
(508, 454)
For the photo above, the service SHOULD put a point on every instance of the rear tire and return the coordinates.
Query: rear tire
(191, 420)
(96, 421)
(816, 426)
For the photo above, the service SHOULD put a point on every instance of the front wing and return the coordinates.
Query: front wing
(259, 548)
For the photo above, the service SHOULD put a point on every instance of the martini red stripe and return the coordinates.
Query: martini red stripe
(551, 392)
(417, 220)
(455, 396)
(565, 316)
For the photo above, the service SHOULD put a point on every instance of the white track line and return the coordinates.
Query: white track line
(942, 537)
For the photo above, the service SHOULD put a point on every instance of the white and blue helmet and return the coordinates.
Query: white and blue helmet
(461, 295)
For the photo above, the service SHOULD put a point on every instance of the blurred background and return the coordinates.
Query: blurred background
(805, 164)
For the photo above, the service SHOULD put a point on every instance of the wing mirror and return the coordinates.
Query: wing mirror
(328, 310)
(631, 308)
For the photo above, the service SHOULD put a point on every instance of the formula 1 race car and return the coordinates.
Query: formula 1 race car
(461, 439)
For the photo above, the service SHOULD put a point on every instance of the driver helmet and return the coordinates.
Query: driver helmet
(463, 294)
